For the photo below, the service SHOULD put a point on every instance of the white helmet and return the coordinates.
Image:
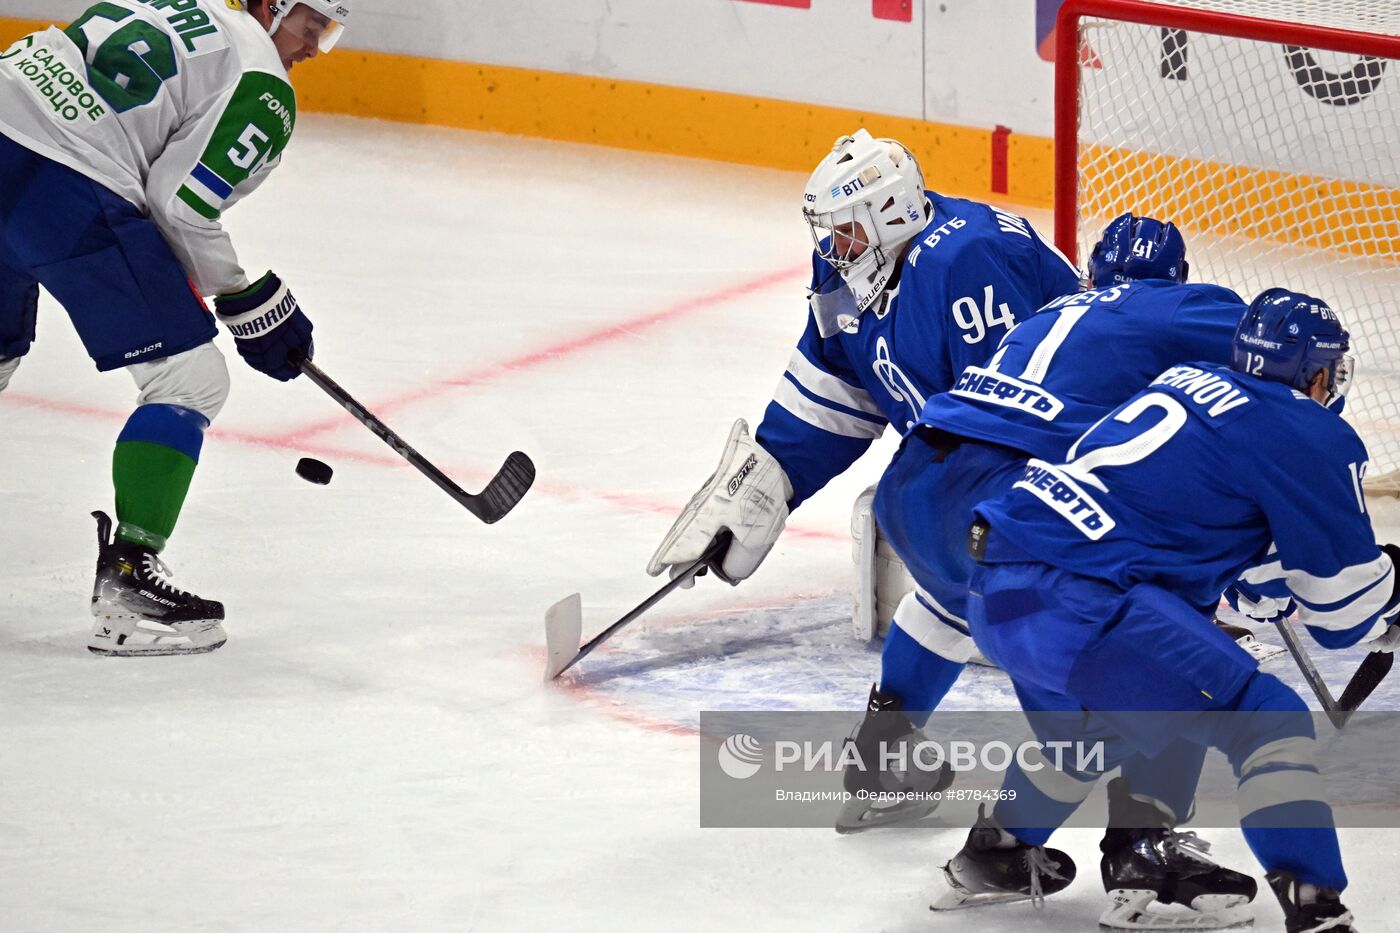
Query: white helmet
(864, 201)
(337, 11)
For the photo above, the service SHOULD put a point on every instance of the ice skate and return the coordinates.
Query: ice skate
(1308, 908)
(1160, 879)
(1263, 652)
(994, 868)
(136, 612)
(887, 735)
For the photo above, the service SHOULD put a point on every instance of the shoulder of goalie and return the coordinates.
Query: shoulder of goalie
(747, 494)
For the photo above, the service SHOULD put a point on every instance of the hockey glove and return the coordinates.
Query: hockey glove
(1389, 640)
(1256, 607)
(268, 328)
(747, 494)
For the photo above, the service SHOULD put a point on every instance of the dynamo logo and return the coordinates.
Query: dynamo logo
(740, 756)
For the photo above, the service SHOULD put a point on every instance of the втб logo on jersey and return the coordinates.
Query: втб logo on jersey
(900, 387)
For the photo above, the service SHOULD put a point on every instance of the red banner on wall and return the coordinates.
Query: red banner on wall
(898, 10)
(901, 11)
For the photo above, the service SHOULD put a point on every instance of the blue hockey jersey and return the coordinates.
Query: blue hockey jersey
(972, 273)
(1066, 367)
(1206, 475)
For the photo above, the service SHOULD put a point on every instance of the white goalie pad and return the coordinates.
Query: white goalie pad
(881, 580)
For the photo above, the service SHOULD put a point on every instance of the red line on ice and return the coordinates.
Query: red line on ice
(560, 349)
(471, 478)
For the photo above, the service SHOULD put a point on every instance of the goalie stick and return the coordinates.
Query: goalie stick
(563, 621)
(1363, 683)
(499, 496)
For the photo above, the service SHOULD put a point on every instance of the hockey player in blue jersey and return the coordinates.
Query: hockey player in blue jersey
(1097, 576)
(909, 287)
(1049, 380)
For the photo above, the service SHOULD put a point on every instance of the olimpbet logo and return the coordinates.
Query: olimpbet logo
(740, 756)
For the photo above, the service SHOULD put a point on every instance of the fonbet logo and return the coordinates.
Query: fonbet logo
(740, 756)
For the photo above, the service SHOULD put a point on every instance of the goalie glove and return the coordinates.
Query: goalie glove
(1256, 607)
(747, 494)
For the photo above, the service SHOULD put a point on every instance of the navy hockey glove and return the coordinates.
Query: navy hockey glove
(268, 328)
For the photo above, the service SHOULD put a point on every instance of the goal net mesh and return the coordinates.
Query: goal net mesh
(1280, 162)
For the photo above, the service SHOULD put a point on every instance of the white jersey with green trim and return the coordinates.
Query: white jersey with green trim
(180, 106)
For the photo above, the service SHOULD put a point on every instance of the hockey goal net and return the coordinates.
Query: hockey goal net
(1269, 131)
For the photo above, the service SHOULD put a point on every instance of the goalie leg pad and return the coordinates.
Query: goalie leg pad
(747, 494)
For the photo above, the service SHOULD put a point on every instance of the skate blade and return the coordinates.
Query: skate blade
(1262, 652)
(857, 816)
(114, 637)
(563, 627)
(1131, 911)
(958, 899)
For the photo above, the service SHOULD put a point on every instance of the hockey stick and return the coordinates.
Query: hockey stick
(499, 496)
(563, 621)
(1363, 683)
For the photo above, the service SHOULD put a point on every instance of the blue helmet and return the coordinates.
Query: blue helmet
(1137, 248)
(1289, 337)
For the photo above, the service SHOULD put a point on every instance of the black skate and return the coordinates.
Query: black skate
(136, 612)
(1310, 909)
(994, 868)
(1261, 651)
(884, 739)
(1145, 861)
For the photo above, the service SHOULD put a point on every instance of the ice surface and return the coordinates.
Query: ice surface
(374, 748)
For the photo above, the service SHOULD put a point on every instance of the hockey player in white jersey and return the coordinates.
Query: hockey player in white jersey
(123, 139)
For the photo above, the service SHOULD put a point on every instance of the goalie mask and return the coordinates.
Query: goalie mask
(336, 12)
(863, 203)
(1290, 337)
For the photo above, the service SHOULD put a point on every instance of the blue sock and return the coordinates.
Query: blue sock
(919, 677)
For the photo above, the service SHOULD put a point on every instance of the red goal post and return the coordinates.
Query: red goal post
(1269, 130)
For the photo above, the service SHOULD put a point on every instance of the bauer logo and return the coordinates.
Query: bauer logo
(740, 756)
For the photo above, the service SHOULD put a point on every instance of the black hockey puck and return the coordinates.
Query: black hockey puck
(313, 471)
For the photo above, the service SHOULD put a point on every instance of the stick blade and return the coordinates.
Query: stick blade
(505, 490)
(1366, 679)
(563, 627)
